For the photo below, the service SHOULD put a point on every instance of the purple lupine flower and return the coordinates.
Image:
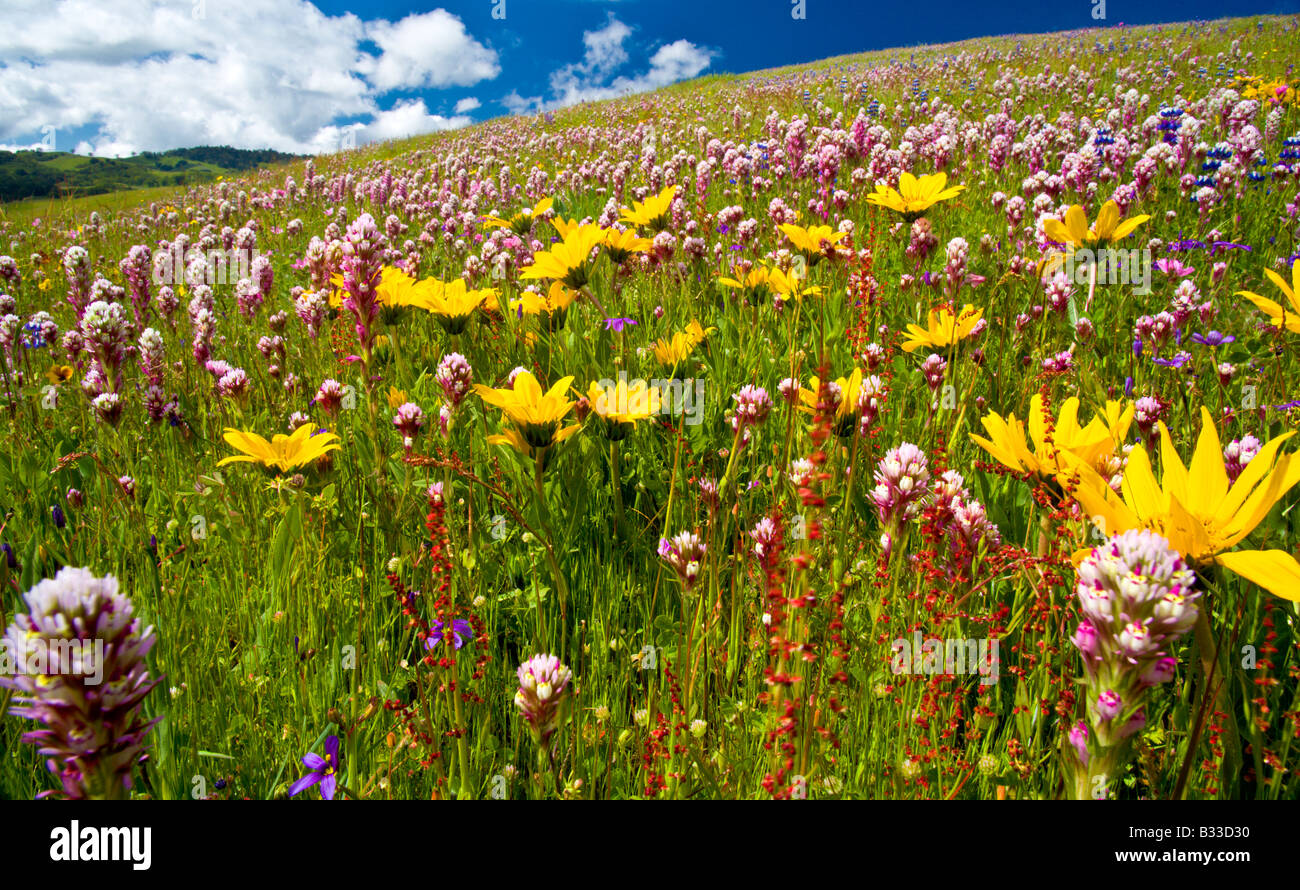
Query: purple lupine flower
(1228, 245)
(323, 771)
(542, 694)
(44, 327)
(84, 678)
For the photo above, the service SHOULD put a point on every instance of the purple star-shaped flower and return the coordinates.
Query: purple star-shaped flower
(1213, 338)
(1228, 245)
(617, 324)
(324, 770)
(460, 631)
(1177, 361)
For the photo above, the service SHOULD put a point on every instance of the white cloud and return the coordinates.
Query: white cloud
(605, 46)
(679, 60)
(409, 118)
(469, 103)
(517, 104)
(431, 49)
(249, 73)
(590, 79)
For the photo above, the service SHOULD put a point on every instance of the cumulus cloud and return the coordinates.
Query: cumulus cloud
(249, 73)
(469, 103)
(592, 78)
(429, 50)
(517, 104)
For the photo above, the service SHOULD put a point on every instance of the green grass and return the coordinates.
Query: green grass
(277, 626)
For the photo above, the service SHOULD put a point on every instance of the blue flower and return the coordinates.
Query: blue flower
(1213, 338)
(1177, 361)
(460, 632)
(324, 770)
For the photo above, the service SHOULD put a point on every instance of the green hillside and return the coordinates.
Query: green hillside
(42, 174)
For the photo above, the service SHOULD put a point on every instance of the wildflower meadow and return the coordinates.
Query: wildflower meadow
(916, 424)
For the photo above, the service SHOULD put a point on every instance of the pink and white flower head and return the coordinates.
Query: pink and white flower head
(108, 408)
(685, 553)
(871, 397)
(874, 355)
(1136, 595)
(933, 369)
(88, 700)
(233, 384)
(753, 404)
(801, 472)
(789, 390)
(767, 537)
(456, 377)
(543, 692)
(902, 484)
(409, 420)
(330, 396)
(1238, 453)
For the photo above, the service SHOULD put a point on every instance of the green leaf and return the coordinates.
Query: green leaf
(287, 534)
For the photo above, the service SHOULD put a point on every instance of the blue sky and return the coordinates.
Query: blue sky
(113, 77)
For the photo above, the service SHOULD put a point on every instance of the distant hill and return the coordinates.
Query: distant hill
(40, 174)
